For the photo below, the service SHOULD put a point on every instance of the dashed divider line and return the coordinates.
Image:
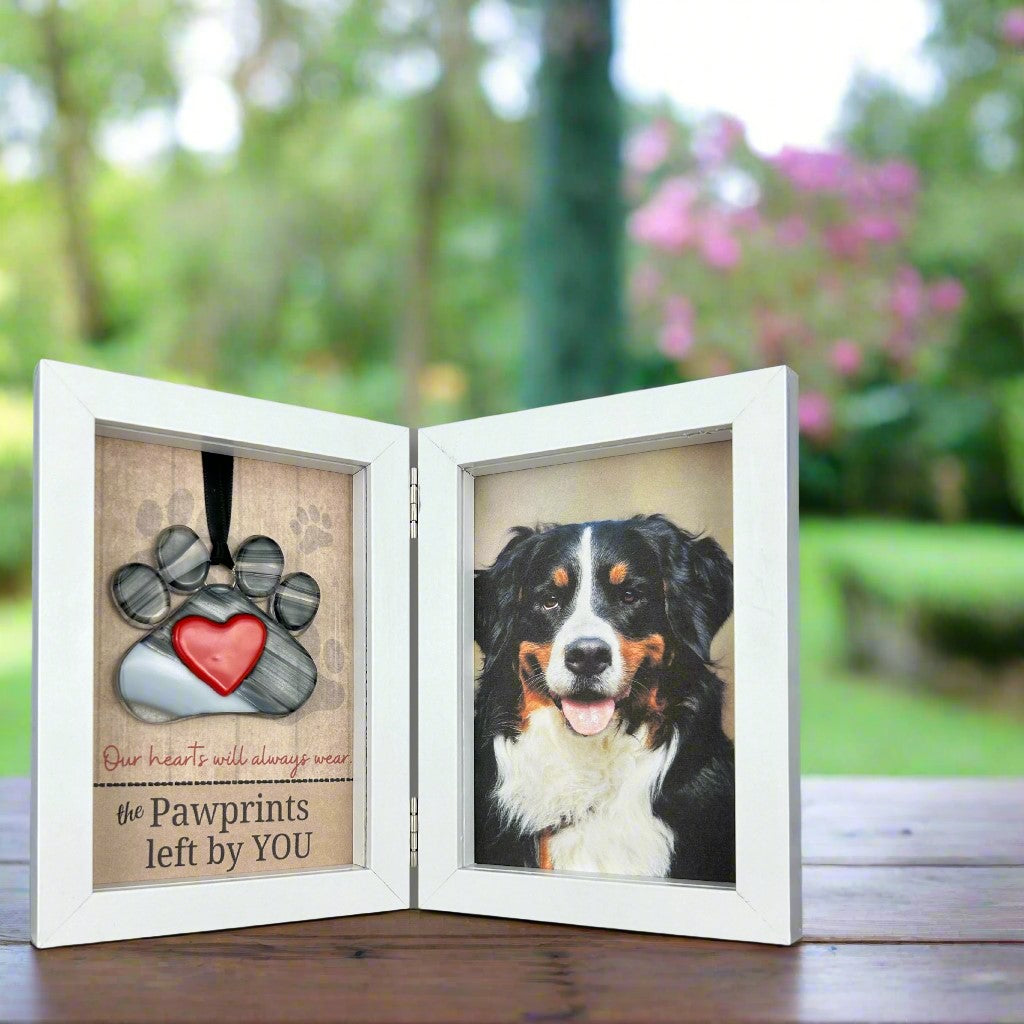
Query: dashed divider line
(213, 782)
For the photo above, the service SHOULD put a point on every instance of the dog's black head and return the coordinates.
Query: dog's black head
(590, 612)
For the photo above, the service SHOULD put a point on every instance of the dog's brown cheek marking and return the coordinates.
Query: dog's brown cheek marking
(636, 652)
(654, 708)
(531, 656)
(655, 704)
(618, 572)
(560, 577)
(544, 850)
(540, 652)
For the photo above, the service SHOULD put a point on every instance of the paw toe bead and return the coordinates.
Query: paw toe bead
(296, 600)
(258, 565)
(140, 594)
(182, 559)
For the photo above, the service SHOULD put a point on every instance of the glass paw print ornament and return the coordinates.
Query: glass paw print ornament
(219, 652)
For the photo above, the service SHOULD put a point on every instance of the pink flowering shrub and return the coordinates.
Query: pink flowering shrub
(1012, 27)
(741, 261)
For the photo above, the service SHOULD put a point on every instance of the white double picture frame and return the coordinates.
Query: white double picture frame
(413, 656)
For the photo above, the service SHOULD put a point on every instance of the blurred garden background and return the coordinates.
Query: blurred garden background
(422, 210)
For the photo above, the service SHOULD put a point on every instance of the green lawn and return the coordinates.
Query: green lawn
(851, 723)
(964, 567)
(863, 724)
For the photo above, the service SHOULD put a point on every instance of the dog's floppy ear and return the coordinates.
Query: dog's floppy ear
(698, 583)
(495, 593)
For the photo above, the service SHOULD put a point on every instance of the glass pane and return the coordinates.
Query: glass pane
(223, 697)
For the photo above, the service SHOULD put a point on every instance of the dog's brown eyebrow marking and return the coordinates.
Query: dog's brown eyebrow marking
(618, 573)
(560, 577)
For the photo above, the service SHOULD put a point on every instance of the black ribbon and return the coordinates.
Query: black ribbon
(218, 477)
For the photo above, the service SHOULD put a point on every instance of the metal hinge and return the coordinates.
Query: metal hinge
(414, 832)
(414, 501)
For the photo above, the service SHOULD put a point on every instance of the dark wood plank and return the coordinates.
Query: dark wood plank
(841, 904)
(848, 820)
(913, 904)
(424, 972)
(890, 939)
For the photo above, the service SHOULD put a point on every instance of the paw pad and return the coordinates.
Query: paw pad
(219, 652)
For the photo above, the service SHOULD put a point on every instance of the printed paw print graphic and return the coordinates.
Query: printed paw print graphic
(219, 652)
(329, 655)
(150, 516)
(312, 529)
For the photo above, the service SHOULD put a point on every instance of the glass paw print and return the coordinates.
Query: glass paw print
(219, 652)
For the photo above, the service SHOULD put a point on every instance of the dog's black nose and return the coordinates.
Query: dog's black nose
(588, 656)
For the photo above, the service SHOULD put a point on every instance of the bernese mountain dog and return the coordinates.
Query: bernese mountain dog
(598, 719)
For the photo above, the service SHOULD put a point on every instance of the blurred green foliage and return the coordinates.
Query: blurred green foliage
(285, 266)
(15, 488)
(15, 694)
(346, 231)
(1013, 428)
(323, 204)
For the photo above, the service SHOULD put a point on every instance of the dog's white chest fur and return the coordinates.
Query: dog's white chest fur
(594, 792)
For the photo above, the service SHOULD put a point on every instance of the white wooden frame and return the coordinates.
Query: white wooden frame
(73, 405)
(757, 410)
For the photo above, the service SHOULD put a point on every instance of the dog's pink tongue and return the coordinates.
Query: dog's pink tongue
(588, 718)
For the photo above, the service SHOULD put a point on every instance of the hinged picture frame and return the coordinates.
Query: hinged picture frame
(413, 539)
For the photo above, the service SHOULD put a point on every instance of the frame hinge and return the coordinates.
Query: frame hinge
(414, 501)
(414, 831)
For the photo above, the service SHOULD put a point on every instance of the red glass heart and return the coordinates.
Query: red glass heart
(222, 654)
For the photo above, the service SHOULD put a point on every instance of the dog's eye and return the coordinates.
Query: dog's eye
(549, 602)
(629, 596)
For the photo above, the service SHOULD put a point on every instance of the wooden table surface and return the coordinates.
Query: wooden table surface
(913, 911)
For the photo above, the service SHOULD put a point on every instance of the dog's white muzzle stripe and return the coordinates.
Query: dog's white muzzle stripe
(584, 622)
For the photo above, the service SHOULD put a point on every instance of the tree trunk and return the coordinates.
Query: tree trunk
(432, 182)
(575, 345)
(73, 154)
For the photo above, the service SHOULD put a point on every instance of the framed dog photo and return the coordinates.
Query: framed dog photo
(597, 642)
(220, 661)
(607, 662)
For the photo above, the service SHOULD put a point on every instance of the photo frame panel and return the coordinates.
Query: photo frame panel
(767, 589)
(73, 405)
(757, 410)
